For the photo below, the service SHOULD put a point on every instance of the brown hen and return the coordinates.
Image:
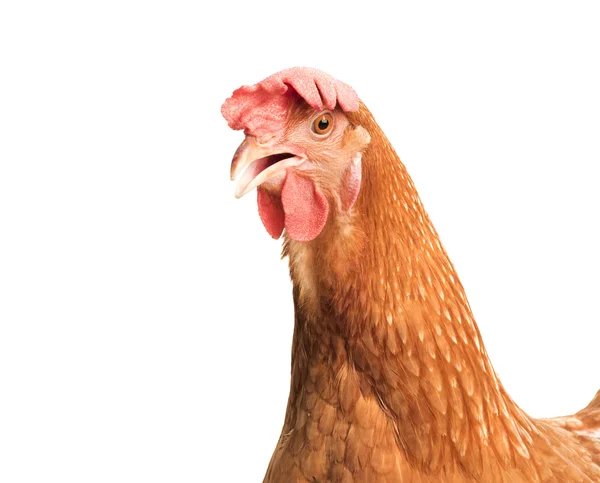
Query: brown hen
(390, 379)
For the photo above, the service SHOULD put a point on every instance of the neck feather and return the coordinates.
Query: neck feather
(377, 291)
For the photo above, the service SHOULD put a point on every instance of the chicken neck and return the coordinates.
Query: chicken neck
(385, 345)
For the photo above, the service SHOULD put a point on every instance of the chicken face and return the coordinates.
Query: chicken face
(300, 151)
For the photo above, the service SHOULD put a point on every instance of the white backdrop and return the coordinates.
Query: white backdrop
(145, 316)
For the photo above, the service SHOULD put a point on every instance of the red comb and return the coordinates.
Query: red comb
(263, 107)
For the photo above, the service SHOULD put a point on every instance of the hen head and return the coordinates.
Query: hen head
(301, 150)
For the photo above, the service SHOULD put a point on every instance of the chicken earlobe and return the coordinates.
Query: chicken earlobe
(351, 182)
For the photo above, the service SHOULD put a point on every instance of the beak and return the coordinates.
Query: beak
(259, 163)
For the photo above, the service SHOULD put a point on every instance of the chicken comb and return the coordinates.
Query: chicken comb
(263, 107)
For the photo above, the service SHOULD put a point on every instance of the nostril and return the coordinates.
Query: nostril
(265, 138)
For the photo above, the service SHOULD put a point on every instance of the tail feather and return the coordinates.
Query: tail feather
(595, 403)
(588, 419)
(592, 407)
(590, 415)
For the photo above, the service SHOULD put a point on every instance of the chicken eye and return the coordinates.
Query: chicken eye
(323, 124)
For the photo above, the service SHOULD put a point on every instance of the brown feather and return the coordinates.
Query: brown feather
(390, 377)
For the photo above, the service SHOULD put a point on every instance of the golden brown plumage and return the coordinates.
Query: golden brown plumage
(390, 379)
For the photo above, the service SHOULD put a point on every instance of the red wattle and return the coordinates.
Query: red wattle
(305, 207)
(271, 213)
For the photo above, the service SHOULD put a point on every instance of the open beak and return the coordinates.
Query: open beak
(255, 163)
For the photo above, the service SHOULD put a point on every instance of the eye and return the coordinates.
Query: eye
(323, 124)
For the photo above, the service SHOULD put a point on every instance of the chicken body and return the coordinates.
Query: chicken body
(390, 379)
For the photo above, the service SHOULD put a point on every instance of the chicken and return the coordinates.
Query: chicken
(390, 380)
